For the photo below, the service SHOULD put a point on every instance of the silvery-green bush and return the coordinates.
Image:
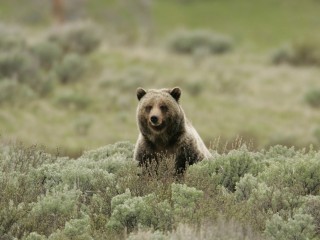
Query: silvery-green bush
(77, 37)
(311, 206)
(245, 186)
(300, 226)
(104, 193)
(224, 170)
(191, 42)
(300, 173)
(71, 68)
(23, 68)
(13, 93)
(17, 64)
(11, 37)
(186, 202)
(47, 53)
(53, 209)
(130, 212)
(312, 97)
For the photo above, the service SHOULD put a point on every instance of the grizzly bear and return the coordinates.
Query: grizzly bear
(165, 130)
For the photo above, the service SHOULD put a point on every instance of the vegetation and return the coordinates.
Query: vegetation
(299, 54)
(71, 87)
(313, 97)
(199, 41)
(83, 74)
(270, 194)
(64, 83)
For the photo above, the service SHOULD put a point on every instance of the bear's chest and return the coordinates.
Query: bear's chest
(168, 150)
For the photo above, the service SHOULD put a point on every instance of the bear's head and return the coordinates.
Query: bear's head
(159, 111)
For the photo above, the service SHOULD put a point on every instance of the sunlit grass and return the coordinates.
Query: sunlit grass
(260, 24)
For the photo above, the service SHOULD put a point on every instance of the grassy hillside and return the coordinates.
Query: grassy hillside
(240, 93)
(225, 96)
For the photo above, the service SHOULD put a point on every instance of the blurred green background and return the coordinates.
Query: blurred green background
(248, 69)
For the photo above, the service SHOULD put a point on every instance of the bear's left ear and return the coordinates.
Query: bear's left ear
(176, 93)
(140, 93)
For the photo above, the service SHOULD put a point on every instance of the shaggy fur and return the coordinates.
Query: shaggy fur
(165, 131)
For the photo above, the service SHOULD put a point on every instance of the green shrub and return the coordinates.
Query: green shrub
(13, 92)
(86, 179)
(186, 202)
(226, 170)
(35, 236)
(112, 157)
(78, 37)
(22, 159)
(15, 64)
(18, 188)
(11, 214)
(280, 153)
(311, 206)
(53, 209)
(47, 53)
(22, 67)
(312, 97)
(11, 37)
(78, 228)
(189, 42)
(236, 195)
(70, 69)
(130, 212)
(299, 227)
(245, 187)
(264, 201)
(284, 54)
(304, 53)
(300, 175)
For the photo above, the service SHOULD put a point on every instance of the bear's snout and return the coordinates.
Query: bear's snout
(156, 122)
(154, 119)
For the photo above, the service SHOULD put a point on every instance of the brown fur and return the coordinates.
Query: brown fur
(165, 130)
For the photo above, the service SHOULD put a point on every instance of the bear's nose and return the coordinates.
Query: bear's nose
(154, 119)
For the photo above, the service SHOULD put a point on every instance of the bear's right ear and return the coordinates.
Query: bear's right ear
(176, 93)
(140, 93)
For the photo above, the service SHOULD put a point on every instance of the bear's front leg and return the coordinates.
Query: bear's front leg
(187, 155)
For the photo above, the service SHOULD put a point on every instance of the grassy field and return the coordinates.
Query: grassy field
(259, 24)
(238, 94)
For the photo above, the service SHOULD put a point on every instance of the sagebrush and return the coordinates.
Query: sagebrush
(271, 194)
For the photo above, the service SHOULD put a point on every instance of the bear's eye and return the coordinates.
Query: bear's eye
(164, 108)
(148, 108)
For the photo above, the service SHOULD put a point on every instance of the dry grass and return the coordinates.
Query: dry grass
(220, 230)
